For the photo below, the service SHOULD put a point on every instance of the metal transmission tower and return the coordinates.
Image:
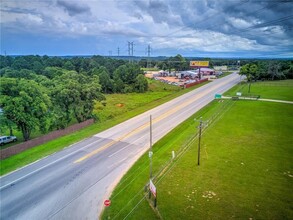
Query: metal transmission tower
(118, 50)
(130, 50)
(149, 54)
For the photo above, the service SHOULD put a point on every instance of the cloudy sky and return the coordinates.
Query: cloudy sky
(204, 28)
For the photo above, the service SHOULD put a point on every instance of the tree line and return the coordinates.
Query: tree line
(48, 93)
(267, 70)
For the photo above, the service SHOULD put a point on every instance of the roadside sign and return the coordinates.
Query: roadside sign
(218, 96)
(197, 63)
(153, 189)
(238, 93)
(173, 154)
(107, 202)
(150, 154)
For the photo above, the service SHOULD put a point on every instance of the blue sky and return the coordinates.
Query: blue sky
(204, 28)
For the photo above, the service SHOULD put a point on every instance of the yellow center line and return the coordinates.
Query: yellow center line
(142, 127)
(95, 152)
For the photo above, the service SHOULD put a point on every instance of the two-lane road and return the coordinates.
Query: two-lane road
(73, 183)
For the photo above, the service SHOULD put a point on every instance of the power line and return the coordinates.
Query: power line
(165, 170)
(205, 19)
(269, 23)
(230, 8)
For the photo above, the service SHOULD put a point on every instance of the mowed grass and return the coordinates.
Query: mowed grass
(117, 104)
(108, 116)
(130, 189)
(246, 169)
(281, 90)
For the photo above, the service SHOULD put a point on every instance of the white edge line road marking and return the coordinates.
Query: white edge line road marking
(49, 164)
(117, 163)
(14, 181)
(119, 150)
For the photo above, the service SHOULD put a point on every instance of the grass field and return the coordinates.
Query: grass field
(246, 169)
(109, 115)
(281, 90)
(118, 104)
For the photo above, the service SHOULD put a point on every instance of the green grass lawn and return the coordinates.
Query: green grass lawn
(281, 90)
(118, 104)
(246, 169)
(109, 115)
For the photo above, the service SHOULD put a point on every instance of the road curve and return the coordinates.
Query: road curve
(73, 183)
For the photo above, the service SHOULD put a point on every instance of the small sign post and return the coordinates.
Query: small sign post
(218, 96)
(107, 202)
(173, 155)
(153, 190)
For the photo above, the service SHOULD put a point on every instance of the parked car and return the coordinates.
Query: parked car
(7, 139)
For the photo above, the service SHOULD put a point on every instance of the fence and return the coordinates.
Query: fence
(7, 152)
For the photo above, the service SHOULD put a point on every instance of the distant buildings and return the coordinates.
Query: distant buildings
(221, 68)
(194, 73)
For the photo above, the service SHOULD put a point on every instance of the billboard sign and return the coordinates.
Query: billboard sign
(197, 63)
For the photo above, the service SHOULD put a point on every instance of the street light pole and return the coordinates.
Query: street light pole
(151, 153)
(151, 148)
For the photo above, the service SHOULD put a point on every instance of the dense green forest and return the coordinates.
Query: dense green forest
(47, 93)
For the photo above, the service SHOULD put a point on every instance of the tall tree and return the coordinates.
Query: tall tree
(141, 84)
(74, 95)
(250, 71)
(106, 82)
(25, 103)
(274, 70)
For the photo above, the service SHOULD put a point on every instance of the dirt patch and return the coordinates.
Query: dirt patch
(120, 105)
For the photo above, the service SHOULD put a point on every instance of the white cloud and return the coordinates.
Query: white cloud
(164, 24)
(241, 23)
(207, 41)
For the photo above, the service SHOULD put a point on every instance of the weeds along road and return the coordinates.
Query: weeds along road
(73, 183)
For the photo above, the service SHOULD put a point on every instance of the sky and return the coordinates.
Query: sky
(194, 28)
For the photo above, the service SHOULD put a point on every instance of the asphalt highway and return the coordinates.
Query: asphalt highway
(73, 183)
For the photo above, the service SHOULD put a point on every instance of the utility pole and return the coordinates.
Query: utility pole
(152, 187)
(149, 54)
(201, 125)
(151, 154)
(128, 48)
(132, 45)
(199, 139)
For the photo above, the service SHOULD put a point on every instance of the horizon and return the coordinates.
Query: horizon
(195, 28)
(151, 57)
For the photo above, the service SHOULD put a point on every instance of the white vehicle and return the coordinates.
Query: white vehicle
(7, 139)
